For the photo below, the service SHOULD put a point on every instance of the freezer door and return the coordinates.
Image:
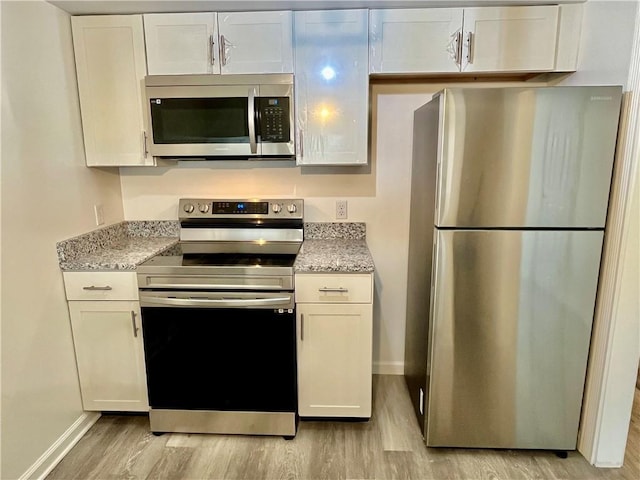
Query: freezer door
(511, 323)
(527, 157)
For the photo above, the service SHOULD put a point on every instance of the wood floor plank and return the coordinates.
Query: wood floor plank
(212, 458)
(363, 443)
(389, 446)
(394, 412)
(171, 465)
(326, 452)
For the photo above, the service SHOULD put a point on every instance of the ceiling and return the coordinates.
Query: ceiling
(97, 7)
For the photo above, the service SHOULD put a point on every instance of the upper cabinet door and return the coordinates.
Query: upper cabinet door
(256, 42)
(331, 86)
(415, 40)
(182, 43)
(111, 65)
(509, 39)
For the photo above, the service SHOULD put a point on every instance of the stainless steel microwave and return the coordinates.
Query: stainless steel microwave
(220, 116)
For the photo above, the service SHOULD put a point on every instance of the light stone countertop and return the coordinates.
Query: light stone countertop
(122, 246)
(124, 254)
(328, 247)
(334, 255)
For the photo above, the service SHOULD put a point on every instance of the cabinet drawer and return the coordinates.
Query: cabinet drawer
(101, 285)
(332, 288)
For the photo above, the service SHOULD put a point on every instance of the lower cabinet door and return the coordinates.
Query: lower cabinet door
(109, 353)
(334, 360)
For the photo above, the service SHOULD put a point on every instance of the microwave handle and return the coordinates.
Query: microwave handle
(252, 120)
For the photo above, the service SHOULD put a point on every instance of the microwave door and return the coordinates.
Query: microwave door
(203, 121)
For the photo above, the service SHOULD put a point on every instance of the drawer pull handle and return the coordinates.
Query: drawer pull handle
(94, 288)
(302, 327)
(336, 290)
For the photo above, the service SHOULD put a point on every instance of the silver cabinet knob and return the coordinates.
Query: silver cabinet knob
(204, 207)
(276, 207)
(292, 208)
(189, 208)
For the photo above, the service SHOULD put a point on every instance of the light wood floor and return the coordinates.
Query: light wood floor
(389, 446)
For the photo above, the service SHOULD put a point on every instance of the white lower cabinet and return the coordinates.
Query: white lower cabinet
(334, 345)
(107, 336)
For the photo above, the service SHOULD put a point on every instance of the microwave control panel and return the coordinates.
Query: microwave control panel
(274, 115)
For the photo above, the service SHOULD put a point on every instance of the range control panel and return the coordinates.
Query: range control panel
(190, 208)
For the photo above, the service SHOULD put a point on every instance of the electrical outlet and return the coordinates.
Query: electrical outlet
(341, 209)
(99, 211)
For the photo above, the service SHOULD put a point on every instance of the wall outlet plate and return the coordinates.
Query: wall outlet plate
(341, 209)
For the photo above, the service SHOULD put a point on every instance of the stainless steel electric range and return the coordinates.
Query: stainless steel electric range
(218, 318)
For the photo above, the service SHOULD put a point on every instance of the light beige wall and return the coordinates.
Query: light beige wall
(47, 196)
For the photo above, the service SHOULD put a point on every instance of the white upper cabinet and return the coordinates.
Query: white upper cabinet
(415, 40)
(331, 86)
(181, 43)
(509, 39)
(238, 42)
(111, 65)
(256, 42)
(482, 39)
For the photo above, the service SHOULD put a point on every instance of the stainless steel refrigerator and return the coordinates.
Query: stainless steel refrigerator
(509, 195)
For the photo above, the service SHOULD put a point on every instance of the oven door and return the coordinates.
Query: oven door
(220, 351)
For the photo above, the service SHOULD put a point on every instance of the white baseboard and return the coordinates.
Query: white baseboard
(388, 368)
(56, 452)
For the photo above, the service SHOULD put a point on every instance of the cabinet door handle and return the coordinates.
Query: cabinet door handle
(336, 290)
(223, 53)
(302, 327)
(133, 324)
(145, 150)
(94, 288)
(469, 42)
(212, 49)
(301, 144)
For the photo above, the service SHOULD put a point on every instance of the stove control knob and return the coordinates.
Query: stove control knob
(204, 208)
(189, 208)
(292, 208)
(276, 207)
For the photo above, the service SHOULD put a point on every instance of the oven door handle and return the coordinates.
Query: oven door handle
(148, 301)
(212, 286)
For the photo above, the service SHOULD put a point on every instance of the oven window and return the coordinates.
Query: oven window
(200, 120)
(220, 359)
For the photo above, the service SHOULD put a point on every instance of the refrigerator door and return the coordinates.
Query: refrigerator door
(510, 328)
(527, 157)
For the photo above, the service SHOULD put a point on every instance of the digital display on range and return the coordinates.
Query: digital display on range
(240, 207)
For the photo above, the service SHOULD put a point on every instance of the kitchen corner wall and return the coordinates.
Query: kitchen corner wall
(377, 195)
(47, 195)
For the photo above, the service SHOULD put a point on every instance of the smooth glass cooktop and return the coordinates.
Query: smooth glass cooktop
(235, 259)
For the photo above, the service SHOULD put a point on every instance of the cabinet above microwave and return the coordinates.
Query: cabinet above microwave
(220, 117)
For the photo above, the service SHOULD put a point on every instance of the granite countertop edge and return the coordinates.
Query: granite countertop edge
(334, 255)
(119, 258)
(118, 247)
(328, 248)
